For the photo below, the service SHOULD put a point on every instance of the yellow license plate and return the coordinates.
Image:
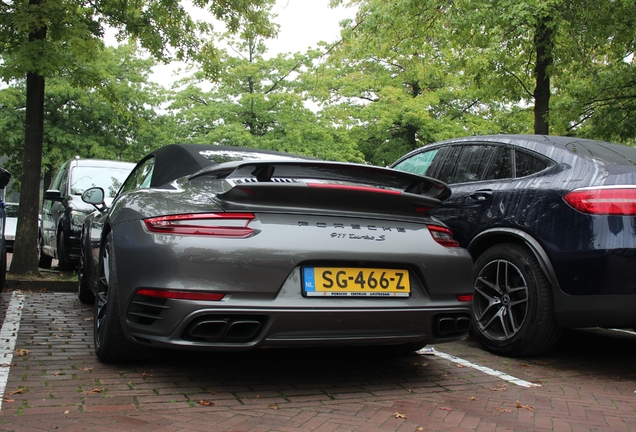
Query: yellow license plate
(355, 282)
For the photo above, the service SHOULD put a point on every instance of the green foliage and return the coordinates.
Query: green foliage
(256, 102)
(115, 121)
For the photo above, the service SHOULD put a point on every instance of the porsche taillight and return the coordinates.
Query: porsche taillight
(620, 200)
(203, 224)
(443, 236)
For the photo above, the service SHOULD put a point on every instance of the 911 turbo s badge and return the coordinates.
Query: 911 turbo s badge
(357, 227)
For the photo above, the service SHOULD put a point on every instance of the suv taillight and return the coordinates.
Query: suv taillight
(614, 200)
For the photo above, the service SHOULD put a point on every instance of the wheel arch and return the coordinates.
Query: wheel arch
(495, 236)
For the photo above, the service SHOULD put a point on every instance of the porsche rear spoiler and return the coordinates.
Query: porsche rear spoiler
(326, 187)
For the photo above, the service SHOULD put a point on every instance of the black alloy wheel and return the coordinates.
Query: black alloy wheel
(512, 308)
(45, 260)
(84, 292)
(63, 262)
(111, 345)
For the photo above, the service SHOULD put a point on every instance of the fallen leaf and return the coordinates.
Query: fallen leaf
(528, 407)
(8, 365)
(6, 399)
(274, 406)
(88, 319)
(540, 363)
(498, 389)
(21, 351)
(67, 412)
(419, 428)
(58, 373)
(145, 375)
(258, 396)
(17, 391)
(445, 409)
(205, 403)
(86, 369)
(212, 392)
(398, 415)
(473, 398)
(503, 410)
(96, 390)
(459, 365)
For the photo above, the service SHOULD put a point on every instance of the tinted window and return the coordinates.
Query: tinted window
(472, 163)
(443, 166)
(527, 164)
(140, 177)
(500, 166)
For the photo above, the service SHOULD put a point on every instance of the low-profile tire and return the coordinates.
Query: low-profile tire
(62, 259)
(513, 311)
(45, 260)
(84, 293)
(111, 345)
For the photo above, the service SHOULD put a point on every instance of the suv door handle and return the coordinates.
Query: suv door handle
(481, 195)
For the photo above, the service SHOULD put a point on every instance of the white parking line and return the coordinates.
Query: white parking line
(8, 336)
(480, 368)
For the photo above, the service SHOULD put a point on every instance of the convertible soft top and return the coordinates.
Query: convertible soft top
(178, 160)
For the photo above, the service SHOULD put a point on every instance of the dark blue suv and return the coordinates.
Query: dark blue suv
(551, 225)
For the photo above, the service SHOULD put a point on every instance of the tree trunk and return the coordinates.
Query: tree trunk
(25, 253)
(543, 44)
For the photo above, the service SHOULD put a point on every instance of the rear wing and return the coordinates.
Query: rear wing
(326, 187)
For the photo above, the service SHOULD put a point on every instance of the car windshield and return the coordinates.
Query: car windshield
(109, 179)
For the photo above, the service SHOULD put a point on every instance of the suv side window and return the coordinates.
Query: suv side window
(527, 164)
(500, 166)
(140, 177)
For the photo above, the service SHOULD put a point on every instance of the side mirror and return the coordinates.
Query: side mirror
(53, 195)
(95, 196)
(5, 178)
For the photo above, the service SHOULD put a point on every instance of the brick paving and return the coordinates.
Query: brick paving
(587, 384)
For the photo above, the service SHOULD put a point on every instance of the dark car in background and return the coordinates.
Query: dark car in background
(63, 211)
(227, 248)
(551, 225)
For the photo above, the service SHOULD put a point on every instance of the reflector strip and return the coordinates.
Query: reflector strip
(181, 295)
(603, 201)
(354, 188)
(465, 298)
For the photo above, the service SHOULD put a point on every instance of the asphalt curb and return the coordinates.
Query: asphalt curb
(40, 285)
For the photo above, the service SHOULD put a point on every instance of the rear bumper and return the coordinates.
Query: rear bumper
(595, 310)
(238, 330)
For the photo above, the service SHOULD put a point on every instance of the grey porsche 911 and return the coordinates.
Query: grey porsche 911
(208, 247)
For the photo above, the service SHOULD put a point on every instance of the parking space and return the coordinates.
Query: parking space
(54, 382)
